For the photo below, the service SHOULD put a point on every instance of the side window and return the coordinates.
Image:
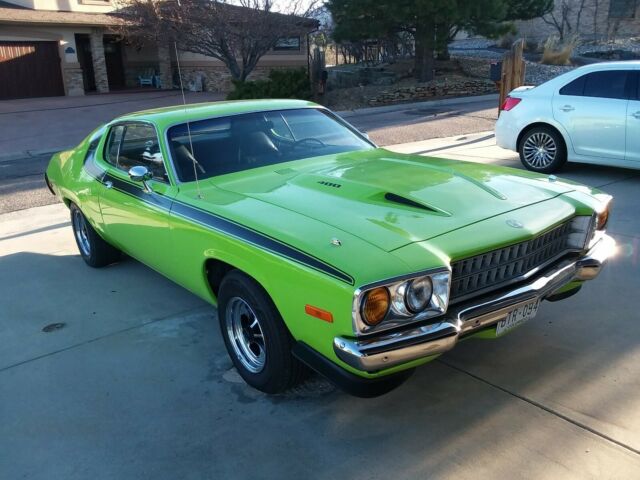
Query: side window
(112, 147)
(93, 145)
(575, 87)
(609, 84)
(135, 144)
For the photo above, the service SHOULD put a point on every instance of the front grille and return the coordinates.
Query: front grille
(492, 269)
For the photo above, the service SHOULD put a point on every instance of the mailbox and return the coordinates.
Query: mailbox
(495, 71)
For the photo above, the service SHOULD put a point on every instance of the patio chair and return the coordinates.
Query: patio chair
(146, 78)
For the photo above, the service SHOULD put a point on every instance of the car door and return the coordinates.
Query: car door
(633, 122)
(593, 110)
(135, 219)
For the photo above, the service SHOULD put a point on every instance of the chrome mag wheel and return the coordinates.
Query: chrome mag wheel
(540, 150)
(245, 335)
(81, 233)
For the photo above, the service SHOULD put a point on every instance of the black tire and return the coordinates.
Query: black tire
(553, 153)
(94, 250)
(280, 370)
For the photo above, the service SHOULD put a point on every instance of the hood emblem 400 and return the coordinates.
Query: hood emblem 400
(514, 223)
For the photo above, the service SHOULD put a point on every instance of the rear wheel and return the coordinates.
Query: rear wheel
(542, 149)
(93, 249)
(255, 335)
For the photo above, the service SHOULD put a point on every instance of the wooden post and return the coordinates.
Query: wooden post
(513, 70)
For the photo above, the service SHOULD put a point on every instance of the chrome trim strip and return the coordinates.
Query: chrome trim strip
(384, 351)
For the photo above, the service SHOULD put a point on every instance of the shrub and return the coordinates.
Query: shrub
(557, 54)
(281, 84)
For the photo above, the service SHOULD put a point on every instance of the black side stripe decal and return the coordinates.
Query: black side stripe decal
(218, 223)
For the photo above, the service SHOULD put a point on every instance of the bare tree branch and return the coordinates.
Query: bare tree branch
(238, 34)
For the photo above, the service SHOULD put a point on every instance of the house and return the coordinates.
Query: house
(70, 47)
(588, 19)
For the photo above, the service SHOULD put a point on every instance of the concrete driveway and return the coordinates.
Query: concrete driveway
(136, 383)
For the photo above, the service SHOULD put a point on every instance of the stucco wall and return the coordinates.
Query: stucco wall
(96, 6)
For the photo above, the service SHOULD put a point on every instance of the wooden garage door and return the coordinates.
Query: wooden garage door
(30, 69)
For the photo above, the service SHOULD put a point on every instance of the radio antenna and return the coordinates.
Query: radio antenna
(184, 105)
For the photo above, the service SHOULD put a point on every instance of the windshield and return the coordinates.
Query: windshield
(231, 144)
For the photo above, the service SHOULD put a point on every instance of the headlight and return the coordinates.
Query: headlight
(418, 294)
(402, 300)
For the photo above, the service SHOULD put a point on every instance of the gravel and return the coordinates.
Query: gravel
(537, 73)
(629, 44)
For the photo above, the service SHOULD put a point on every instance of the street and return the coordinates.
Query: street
(24, 130)
(119, 373)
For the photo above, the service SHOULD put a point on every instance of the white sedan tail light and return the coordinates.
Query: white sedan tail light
(509, 103)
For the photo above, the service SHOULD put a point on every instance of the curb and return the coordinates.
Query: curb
(26, 154)
(433, 103)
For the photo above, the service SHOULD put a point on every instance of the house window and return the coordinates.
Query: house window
(622, 8)
(287, 43)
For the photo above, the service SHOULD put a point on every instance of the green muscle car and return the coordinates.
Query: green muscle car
(319, 249)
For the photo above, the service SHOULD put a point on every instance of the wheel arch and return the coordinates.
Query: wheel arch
(552, 125)
(215, 269)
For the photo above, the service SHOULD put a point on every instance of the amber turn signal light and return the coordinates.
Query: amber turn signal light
(602, 219)
(318, 313)
(375, 306)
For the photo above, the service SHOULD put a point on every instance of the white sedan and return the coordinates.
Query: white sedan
(589, 115)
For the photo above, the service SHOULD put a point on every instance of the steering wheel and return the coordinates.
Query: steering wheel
(302, 141)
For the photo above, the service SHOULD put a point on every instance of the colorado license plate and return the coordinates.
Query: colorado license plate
(518, 316)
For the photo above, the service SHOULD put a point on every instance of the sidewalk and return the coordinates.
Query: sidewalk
(475, 147)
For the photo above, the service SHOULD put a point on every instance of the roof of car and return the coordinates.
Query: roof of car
(610, 65)
(167, 116)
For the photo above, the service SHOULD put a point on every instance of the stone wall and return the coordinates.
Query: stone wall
(99, 63)
(73, 83)
(436, 88)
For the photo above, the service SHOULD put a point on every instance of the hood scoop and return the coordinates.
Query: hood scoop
(395, 198)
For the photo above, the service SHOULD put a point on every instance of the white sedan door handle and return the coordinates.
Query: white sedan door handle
(567, 108)
(636, 115)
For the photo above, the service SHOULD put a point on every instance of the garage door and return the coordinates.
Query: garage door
(30, 69)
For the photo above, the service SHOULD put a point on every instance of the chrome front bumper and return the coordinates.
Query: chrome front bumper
(415, 342)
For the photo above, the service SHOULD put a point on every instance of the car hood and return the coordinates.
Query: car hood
(390, 199)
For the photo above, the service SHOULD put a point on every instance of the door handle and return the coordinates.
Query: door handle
(567, 108)
(108, 184)
(636, 115)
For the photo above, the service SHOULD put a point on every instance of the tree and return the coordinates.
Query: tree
(236, 34)
(432, 23)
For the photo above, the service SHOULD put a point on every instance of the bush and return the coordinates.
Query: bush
(281, 84)
(557, 54)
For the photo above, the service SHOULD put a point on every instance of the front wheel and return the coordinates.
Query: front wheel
(256, 337)
(542, 150)
(94, 250)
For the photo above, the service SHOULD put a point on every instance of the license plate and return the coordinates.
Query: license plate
(517, 317)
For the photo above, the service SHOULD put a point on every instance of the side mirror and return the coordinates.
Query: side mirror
(142, 174)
